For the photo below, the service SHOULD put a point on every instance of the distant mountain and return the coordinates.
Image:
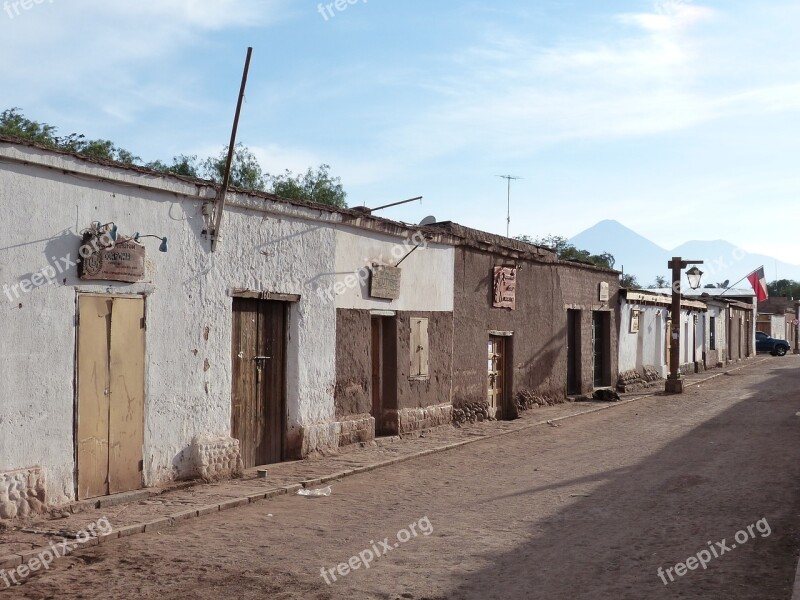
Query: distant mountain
(637, 255)
(633, 252)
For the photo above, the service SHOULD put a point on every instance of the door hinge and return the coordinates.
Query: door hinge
(143, 323)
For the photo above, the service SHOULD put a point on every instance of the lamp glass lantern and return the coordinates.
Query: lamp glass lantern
(694, 275)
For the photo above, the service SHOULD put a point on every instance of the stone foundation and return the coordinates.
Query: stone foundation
(216, 458)
(633, 380)
(22, 493)
(527, 399)
(410, 420)
(327, 438)
(356, 429)
(473, 412)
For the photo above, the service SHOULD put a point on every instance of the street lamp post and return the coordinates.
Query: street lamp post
(797, 328)
(674, 383)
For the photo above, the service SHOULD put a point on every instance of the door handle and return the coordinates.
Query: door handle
(261, 357)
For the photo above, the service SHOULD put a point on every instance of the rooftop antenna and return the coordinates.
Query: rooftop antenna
(509, 178)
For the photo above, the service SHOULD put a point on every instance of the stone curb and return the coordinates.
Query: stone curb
(14, 560)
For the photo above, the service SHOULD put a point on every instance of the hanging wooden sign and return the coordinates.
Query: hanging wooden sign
(384, 282)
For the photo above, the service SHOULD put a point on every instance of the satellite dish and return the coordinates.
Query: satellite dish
(430, 220)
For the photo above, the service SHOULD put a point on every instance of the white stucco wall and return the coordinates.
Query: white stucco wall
(778, 324)
(427, 279)
(46, 203)
(646, 348)
(719, 313)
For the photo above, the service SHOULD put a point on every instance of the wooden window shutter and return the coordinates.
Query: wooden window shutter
(419, 348)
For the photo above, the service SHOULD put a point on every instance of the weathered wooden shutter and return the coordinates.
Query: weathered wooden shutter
(419, 348)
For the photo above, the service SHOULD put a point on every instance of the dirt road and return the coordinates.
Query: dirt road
(589, 509)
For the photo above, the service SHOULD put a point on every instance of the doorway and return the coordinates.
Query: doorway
(573, 352)
(384, 377)
(110, 395)
(601, 348)
(497, 392)
(258, 397)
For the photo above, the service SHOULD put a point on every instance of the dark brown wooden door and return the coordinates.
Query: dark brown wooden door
(384, 374)
(601, 331)
(377, 374)
(573, 352)
(259, 380)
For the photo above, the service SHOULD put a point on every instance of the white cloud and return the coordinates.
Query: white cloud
(114, 59)
(662, 72)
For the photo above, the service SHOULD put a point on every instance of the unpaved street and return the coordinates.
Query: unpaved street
(589, 509)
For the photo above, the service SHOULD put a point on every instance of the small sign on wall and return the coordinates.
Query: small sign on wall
(635, 314)
(124, 261)
(384, 282)
(604, 292)
(505, 287)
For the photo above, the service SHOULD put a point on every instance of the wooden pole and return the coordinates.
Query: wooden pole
(674, 383)
(223, 192)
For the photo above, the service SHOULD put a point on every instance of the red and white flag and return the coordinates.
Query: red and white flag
(759, 282)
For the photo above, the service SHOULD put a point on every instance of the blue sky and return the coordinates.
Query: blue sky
(677, 118)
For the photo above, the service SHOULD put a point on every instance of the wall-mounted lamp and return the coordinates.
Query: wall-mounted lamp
(111, 231)
(161, 248)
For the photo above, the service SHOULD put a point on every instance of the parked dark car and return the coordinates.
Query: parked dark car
(764, 343)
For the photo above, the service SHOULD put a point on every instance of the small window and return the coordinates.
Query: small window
(419, 349)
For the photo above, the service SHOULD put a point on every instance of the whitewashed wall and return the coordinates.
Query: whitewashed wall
(427, 277)
(46, 200)
(646, 348)
(778, 324)
(719, 314)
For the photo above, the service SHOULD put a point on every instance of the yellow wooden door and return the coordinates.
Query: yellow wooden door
(110, 395)
(93, 333)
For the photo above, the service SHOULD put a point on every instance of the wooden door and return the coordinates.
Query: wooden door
(600, 334)
(573, 352)
(110, 402)
(496, 374)
(259, 380)
(377, 374)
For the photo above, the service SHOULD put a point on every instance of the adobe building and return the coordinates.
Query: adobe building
(777, 318)
(738, 320)
(529, 328)
(394, 329)
(644, 342)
